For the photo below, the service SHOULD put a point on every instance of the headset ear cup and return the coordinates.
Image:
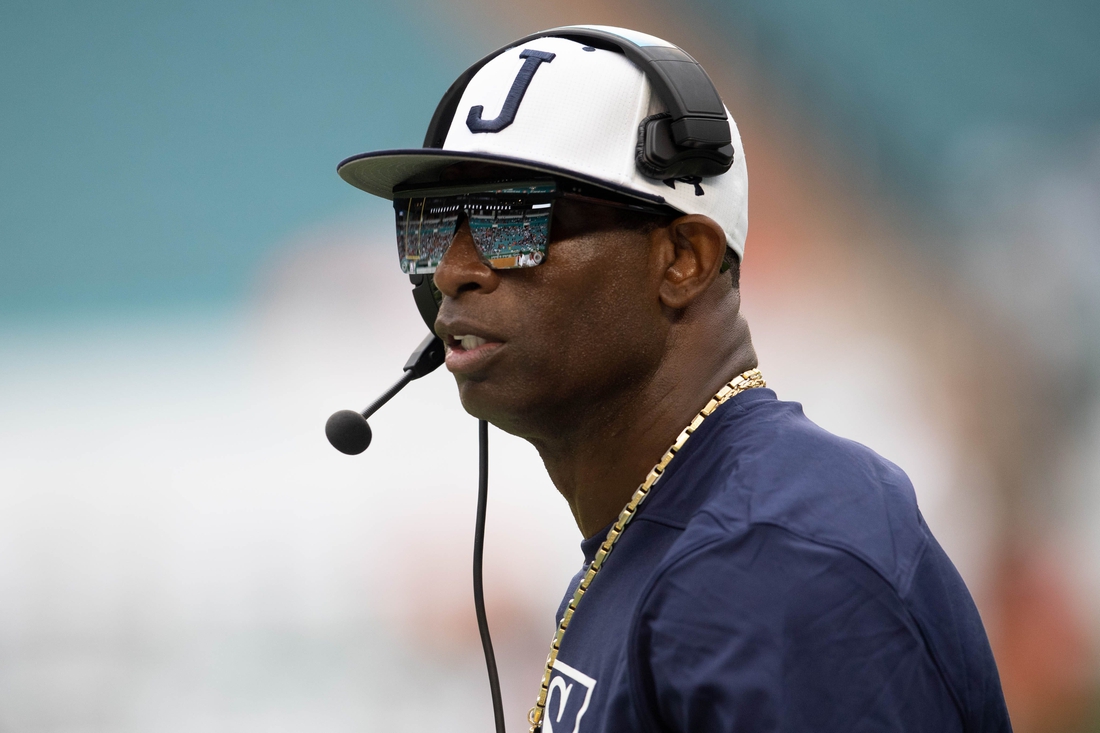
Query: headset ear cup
(427, 298)
(656, 148)
(658, 156)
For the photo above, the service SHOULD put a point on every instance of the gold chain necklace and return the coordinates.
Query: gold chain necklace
(739, 384)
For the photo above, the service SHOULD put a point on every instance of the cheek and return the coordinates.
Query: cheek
(595, 321)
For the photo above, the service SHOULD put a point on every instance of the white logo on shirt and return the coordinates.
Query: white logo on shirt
(570, 705)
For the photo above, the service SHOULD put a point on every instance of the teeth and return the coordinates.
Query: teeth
(469, 343)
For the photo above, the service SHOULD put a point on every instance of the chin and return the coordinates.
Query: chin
(509, 407)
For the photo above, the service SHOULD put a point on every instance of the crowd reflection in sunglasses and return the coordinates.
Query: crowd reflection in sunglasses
(497, 237)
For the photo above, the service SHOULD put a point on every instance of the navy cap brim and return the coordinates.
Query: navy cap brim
(380, 171)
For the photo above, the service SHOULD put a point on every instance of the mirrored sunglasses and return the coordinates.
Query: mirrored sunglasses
(509, 223)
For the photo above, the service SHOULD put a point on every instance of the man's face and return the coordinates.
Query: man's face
(584, 326)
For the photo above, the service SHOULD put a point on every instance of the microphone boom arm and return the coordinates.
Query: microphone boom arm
(349, 433)
(388, 394)
(348, 430)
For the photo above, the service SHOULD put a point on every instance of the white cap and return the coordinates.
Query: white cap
(578, 117)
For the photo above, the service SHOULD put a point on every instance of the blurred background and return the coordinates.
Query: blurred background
(187, 291)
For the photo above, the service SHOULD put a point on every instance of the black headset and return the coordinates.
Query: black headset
(690, 141)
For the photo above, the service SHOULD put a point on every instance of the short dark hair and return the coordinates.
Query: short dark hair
(731, 263)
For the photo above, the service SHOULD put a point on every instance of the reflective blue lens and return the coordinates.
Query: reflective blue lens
(509, 223)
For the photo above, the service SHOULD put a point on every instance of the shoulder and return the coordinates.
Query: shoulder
(764, 629)
(807, 581)
(776, 467)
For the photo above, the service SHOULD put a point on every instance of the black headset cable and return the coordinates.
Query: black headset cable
(479, 590)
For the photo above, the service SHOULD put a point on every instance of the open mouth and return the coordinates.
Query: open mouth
(466, 352)
(469, 343)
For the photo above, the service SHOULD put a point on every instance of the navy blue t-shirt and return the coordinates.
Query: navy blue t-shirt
(778, 578)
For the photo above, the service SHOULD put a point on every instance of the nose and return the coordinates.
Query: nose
(462, 269)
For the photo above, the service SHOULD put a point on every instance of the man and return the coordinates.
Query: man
(744, 569)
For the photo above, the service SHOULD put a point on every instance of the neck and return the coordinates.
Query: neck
(599, 455)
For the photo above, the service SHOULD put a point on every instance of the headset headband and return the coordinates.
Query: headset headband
(693, 138)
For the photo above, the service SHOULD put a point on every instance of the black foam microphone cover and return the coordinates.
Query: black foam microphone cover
(348, 432)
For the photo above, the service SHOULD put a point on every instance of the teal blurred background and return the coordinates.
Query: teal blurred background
(154, 154)
(187, 290)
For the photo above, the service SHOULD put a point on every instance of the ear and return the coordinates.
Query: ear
(692, 248)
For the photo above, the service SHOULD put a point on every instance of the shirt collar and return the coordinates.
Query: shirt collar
(673, 499)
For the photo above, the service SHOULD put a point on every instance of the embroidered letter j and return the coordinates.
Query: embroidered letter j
(515, 95)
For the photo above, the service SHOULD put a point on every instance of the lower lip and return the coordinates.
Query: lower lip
(462, 361)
